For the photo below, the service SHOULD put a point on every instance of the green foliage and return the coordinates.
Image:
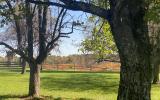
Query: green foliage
(153, 13)
(101, 42)
(4, 14)
(12, 13)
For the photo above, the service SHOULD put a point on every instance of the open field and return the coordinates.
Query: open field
(65, 85)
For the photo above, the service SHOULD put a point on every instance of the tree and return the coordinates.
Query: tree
(100, 43)
(12, 32)
(17, 25)
(130, 31)
(48, 37)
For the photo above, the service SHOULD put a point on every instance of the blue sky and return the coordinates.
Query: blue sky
(69, 46)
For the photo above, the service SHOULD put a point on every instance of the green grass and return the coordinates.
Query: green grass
(66, 85)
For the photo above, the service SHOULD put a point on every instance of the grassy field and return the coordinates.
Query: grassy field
(65, 86)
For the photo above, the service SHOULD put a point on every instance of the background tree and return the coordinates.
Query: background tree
(17, 26)
(100, 42)
(48, 37)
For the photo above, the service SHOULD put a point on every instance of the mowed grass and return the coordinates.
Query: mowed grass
(65, 86)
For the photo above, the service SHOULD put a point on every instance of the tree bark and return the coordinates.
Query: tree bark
(34, 81)
(23, 65)
(41, 67)
(130, 32)
(134, 83)
(156, 74)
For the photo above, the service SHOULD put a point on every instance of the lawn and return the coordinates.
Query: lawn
(65, 86)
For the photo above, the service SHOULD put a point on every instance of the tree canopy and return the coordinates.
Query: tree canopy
(100, 42)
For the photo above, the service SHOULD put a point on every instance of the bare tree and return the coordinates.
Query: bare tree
(37, 49)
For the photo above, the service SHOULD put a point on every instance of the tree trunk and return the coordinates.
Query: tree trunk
(130, 32)
(23, 69)
(134, 81)
(156, 74)
(34, 81)
(23, 64)
(41, 66)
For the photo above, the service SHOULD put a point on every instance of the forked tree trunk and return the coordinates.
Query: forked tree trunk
(34, 81)
(131, 36)
(156, 74)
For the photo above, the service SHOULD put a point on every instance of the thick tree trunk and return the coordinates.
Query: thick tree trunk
(134, 80)
(156, 74)
(131, 36)
(34, 81)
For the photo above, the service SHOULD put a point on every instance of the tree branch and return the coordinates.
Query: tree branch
(79, 6)
(54, 39)
(108, 60)
(19, 35)
(21, 53)
(62, 33)
(56, 24)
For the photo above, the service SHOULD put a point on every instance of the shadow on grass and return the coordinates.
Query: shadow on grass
(4, 97)
(81, 82)
(10, 69)
(73, 81)
(59, 98)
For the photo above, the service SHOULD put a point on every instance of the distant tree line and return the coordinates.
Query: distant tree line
(82, 59)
